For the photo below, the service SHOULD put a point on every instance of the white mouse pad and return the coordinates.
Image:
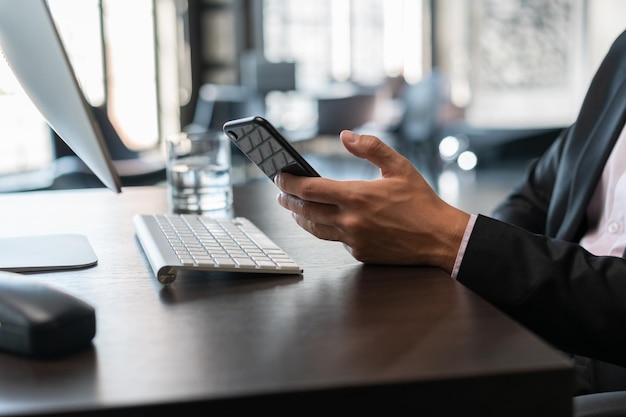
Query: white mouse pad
(46, 253)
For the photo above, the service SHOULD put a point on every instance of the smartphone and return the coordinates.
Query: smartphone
(266, 147)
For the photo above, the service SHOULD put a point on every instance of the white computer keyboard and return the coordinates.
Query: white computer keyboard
(174, 242)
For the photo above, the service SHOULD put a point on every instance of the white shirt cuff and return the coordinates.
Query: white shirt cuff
(461, 252)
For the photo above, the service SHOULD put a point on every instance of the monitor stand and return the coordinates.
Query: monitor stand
(46, 253)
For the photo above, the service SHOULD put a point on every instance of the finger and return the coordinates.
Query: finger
(313, 212)
(315, 218)
(319, 230)
(375, 151)
(314, 189)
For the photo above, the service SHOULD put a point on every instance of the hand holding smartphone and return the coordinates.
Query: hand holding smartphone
(263, 144)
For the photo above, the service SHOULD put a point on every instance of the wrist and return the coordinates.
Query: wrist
(451, 237)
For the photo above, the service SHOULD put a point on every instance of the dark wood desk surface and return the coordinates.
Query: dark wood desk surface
(342, 336)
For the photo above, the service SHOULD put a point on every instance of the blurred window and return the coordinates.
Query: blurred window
(363, 42)
(338, 40)
(510, 63)
(139, 104)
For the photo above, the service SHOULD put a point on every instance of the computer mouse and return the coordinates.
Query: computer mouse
(41, 321)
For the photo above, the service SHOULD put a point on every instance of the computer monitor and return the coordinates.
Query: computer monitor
(34, 50)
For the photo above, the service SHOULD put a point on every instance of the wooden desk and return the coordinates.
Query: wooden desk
(341, 337)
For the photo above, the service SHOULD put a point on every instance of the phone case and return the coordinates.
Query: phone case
(266, 147)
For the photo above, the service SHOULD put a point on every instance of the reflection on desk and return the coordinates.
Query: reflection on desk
(343, 336)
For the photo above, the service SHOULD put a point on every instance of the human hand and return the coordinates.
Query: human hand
(397, 219)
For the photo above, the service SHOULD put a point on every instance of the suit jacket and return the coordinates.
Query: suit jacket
(526, 260)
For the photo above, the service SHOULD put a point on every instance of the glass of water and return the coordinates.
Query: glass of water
(199, 172)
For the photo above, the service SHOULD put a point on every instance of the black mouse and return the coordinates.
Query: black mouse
(38, 320)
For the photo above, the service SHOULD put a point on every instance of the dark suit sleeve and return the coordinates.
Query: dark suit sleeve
(574, 300)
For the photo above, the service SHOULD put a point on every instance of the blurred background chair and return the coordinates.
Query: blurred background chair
(135, 168)
(344, 106)
(261, 77)
(218, 103)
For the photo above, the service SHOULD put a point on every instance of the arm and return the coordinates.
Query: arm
(566, 295)
(573, 299)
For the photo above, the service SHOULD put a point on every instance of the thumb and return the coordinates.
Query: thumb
(375, 151)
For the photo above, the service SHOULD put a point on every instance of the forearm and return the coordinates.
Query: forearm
(560, 291)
